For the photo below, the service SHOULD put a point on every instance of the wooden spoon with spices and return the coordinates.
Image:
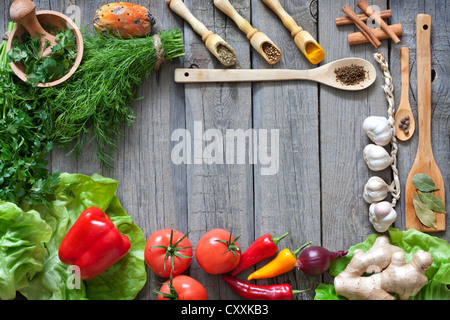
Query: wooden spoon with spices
(404, 119)
(215, 44)
(302, 38)
(350, 68)
(260, 41)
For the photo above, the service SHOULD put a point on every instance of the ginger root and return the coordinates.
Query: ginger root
(392, 274)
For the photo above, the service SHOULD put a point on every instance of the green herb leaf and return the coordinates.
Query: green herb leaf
(432, 201)
(423, 183)
(424, 213)
(16, 54)
(24, 141)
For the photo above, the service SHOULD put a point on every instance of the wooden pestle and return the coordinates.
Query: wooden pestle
(24, 13)
(261, 42)
(302, 38)
(368, 33)
(211, 40)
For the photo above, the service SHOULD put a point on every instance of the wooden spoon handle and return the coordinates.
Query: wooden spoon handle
(287, 20)
(423, 32)
(226, 7)
(180, 9)
(186, 75)
(404, 63)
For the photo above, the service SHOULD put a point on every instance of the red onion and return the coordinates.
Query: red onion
(315, 260)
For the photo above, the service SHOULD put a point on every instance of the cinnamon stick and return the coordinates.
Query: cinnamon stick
(384, 14)
(361, 26)
(364, 6)
(359, 38)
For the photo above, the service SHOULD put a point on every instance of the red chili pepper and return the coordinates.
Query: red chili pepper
(93, 244)
(258, 292)
(262, 248)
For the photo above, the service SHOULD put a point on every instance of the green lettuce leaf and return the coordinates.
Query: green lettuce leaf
(123, 280)
(410, 241)
(22, 253)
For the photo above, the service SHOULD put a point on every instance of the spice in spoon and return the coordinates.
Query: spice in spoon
(225, 55)
(404, 124)
(350, 75)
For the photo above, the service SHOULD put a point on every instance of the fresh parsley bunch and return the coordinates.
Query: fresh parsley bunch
(24, 142)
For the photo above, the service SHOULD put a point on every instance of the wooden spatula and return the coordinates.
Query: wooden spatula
(424, 162)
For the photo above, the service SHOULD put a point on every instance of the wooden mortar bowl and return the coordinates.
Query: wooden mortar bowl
(57, 19)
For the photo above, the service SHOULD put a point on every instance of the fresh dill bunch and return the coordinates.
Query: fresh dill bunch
(97, 100)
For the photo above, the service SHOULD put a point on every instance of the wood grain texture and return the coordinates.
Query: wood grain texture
(220, 195)
(289, 200)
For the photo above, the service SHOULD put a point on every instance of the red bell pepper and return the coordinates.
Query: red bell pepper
(259, 292)
(93, 243)
(262, 248)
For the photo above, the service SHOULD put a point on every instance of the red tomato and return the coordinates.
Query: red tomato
(217, 252)
(166, 245)
(186, 288)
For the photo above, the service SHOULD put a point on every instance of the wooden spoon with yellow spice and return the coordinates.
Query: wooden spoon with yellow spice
(302, 38)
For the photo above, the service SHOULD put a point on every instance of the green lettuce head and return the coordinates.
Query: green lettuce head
(123, 280)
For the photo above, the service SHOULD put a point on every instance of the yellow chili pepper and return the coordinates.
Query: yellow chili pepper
(283, 262)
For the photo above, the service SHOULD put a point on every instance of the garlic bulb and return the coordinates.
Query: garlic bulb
(375, 190)
(382, 215)
(378, 129)
(376, 157)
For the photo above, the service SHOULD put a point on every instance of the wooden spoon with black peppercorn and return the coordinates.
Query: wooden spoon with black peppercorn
(404, 119)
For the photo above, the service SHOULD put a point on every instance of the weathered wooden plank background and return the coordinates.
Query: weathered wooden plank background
(316, 193)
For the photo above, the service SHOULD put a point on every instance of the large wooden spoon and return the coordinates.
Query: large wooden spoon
(424, 162)
(24, 13)
(324, 74)
(404, 108)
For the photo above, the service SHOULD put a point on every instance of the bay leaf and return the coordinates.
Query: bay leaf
(423, 183)
(432, 201)
(424, 214)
